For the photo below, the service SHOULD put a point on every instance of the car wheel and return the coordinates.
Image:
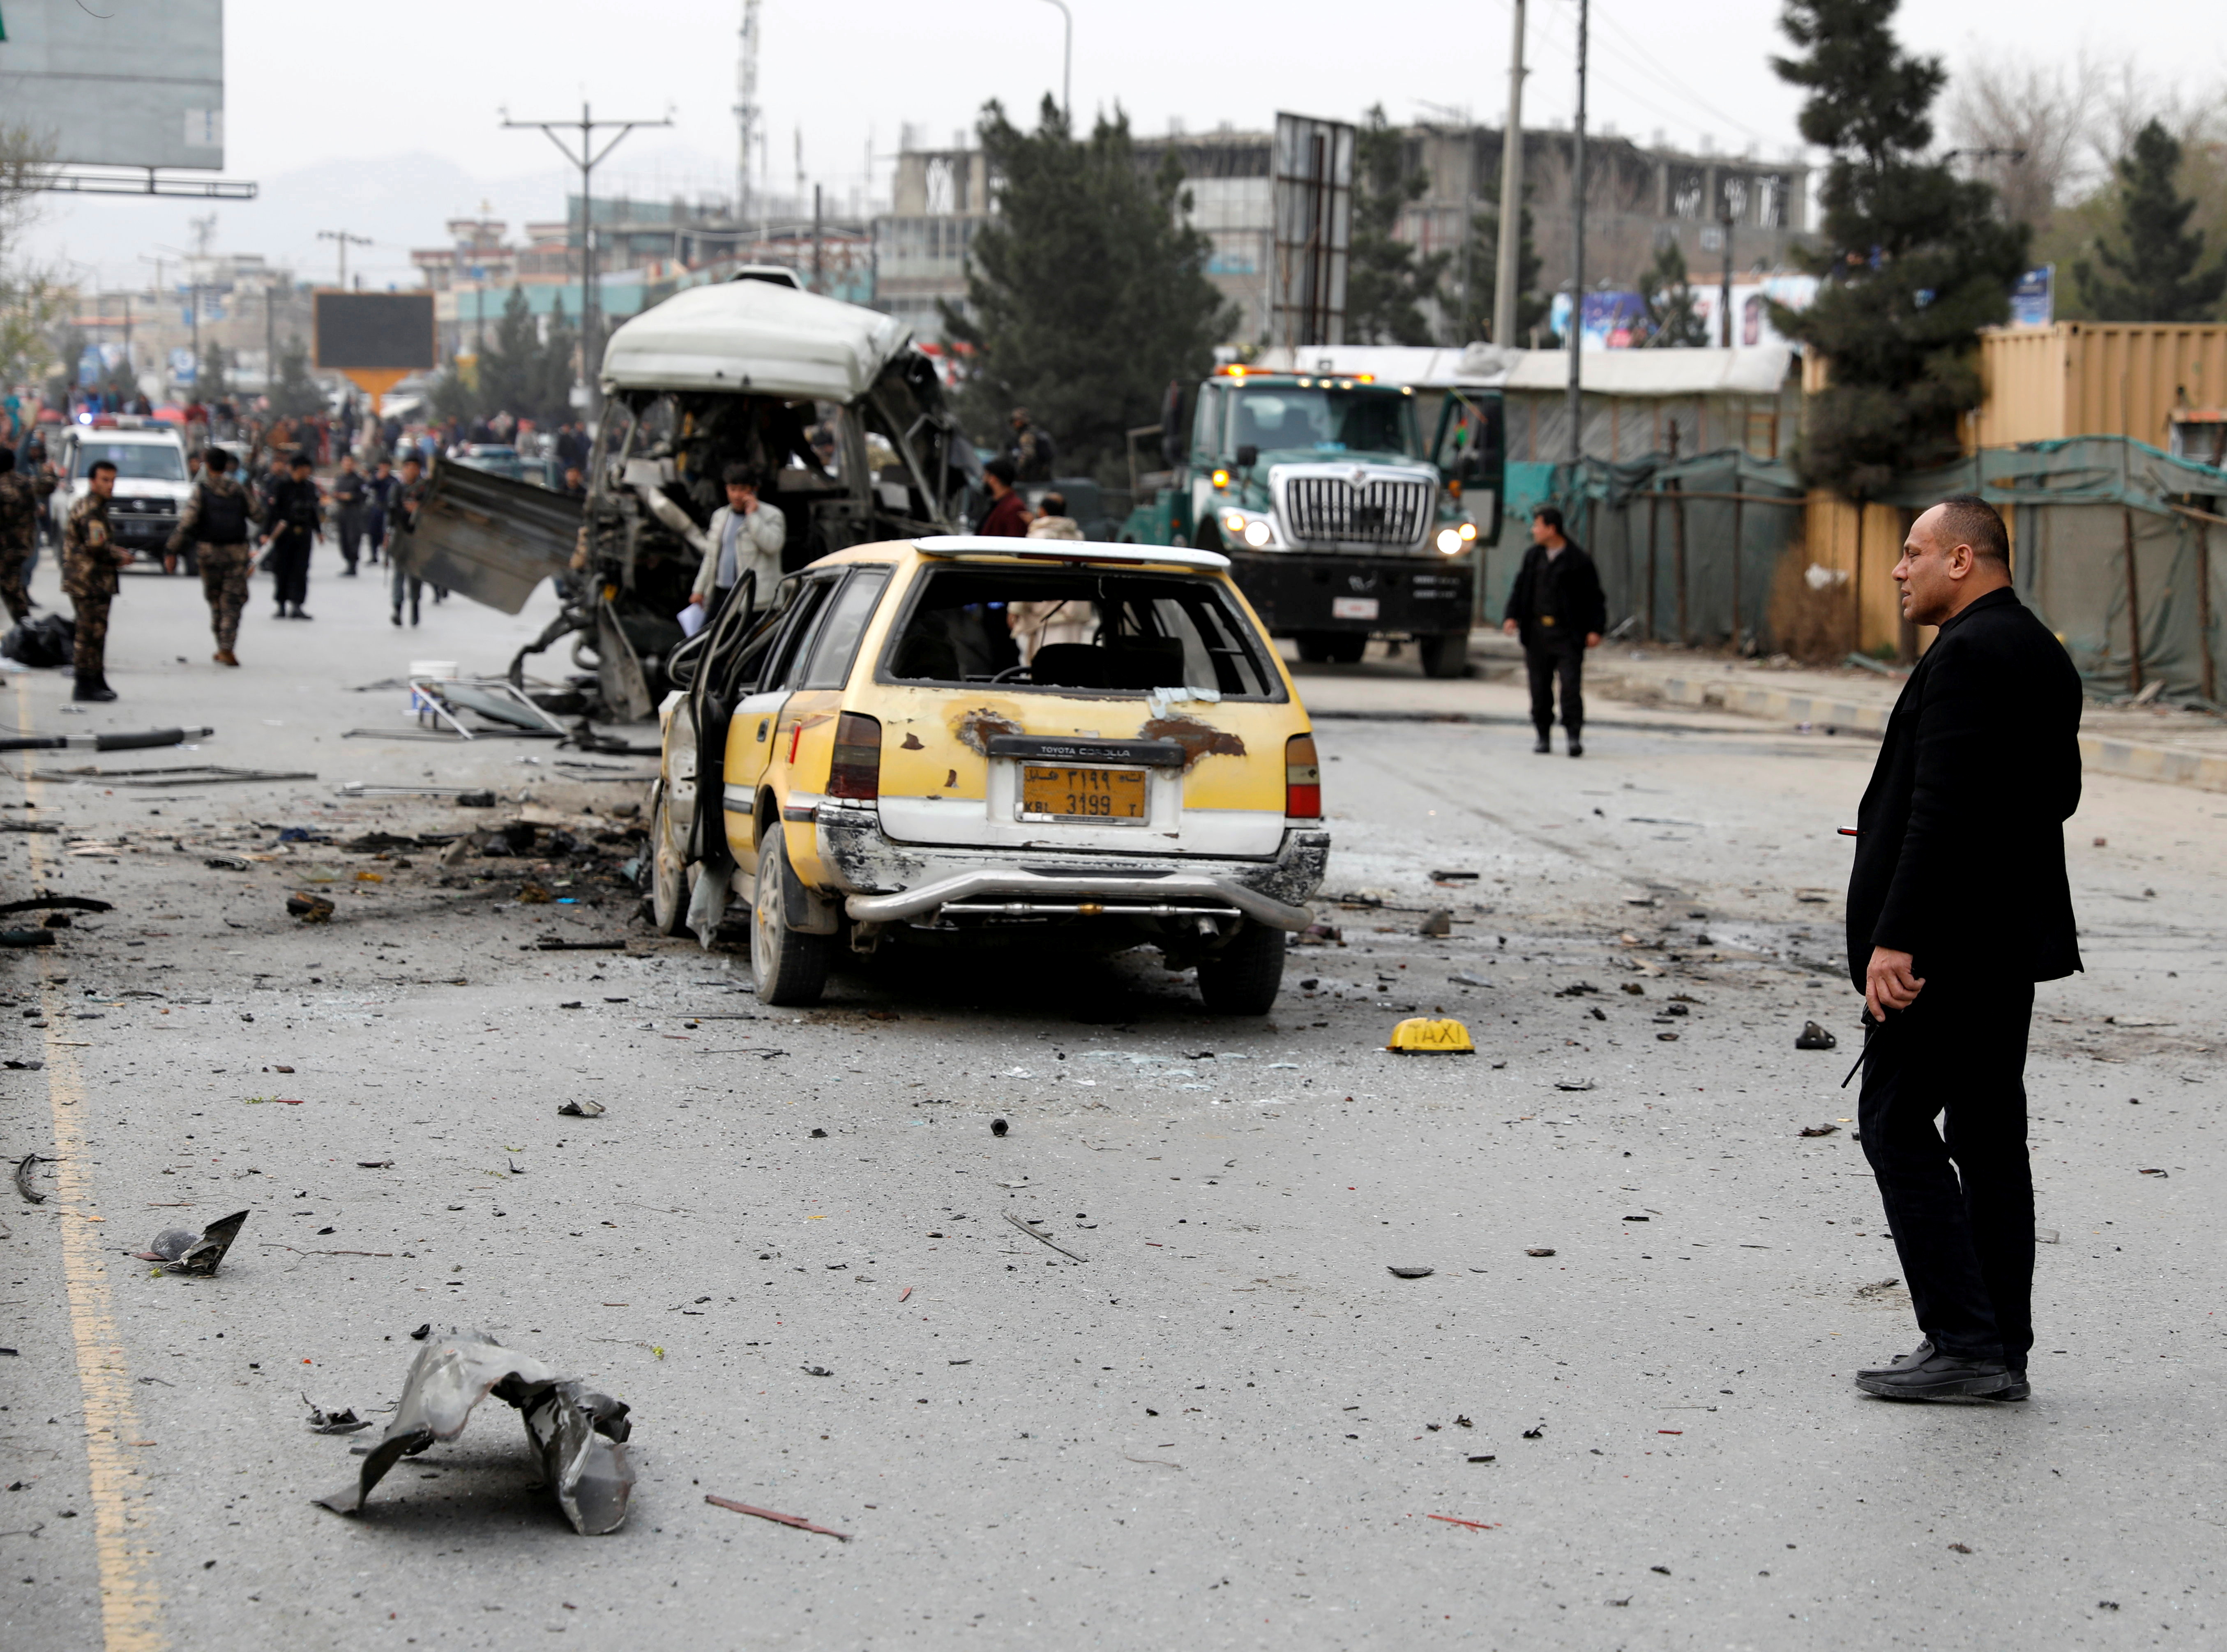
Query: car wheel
(1314, 646)
(1346, 647)
(1443, 653)
(1242, 978)
(668, 885)
(789, 967)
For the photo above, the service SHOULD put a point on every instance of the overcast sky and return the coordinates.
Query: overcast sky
(382, 118)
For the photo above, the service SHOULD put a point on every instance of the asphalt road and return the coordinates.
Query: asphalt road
(1224, 1422)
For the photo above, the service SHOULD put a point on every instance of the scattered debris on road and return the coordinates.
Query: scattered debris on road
(311, 908)
(183, 1251)
(23, 1179)
(579, 1434)
(1437, 924)
(1821, 1130)
(581, 1109)
(1813, 1036)
(1412, 1273)
(1540, 1250)
(797, 1520)
(333, 1422)
(1474, 1525)
(999, 1127)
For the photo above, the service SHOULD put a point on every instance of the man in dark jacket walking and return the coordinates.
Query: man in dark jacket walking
(1557, 607)
(1958, 904)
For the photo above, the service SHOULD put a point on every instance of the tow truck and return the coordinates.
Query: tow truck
(1339, 523)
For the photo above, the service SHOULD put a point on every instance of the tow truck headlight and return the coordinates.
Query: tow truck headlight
(1258, 533)
(1468, 530)
(1234, 522)
(1449, 540)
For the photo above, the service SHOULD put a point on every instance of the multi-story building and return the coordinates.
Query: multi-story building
(1637, 200)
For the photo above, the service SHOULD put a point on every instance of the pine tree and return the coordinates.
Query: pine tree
(1086, 289)
(2155, 261)
(552, 399)
(1668, 292)
(1474, 319)
(1386, 279)
(1914, 261)
(510, 364)
(296, 393)
(210, 383)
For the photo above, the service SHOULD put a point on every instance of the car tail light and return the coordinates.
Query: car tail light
(857, 772)
(1302, 779)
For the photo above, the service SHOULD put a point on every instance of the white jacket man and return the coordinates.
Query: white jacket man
(746, 536)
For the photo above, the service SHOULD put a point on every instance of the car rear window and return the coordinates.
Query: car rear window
(1079, 629)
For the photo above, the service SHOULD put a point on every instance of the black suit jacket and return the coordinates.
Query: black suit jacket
(1557, 598)
(1960, 856)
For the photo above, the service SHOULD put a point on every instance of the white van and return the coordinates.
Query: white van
(150, 479)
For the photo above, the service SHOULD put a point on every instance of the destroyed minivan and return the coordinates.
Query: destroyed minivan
(948, 739)
(831, 404)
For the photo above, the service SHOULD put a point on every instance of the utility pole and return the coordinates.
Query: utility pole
(1067, 64)
(747, 115)
(819, 259)
(1577, 338)
(1724, 295)
(345, 240)
(1509, 262)
(587, 158)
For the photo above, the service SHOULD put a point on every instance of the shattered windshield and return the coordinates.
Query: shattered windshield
(1079, 629)
(1281, 419)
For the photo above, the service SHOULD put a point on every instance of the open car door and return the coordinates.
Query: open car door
(487, 537)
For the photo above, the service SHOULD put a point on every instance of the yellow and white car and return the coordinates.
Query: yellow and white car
(956, 736)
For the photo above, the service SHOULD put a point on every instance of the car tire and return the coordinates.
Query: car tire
(788, 966)
(1443, 653)
(668, 873)
(1314, 646)
(1243, 978)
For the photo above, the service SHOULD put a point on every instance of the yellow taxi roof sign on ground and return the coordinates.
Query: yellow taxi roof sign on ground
(1420, 1036)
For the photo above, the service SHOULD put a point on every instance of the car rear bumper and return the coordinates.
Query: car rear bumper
(881, 881)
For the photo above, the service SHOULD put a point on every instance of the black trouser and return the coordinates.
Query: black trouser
(351, 527)
(1965, 1234)
(290, 565)
(1549, 658)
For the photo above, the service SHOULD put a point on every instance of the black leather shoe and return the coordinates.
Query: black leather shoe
(1544, 746)
(1577, 748)
(1941, 1376)
(1916, 1355)
(93, 687)
(2018, 1390)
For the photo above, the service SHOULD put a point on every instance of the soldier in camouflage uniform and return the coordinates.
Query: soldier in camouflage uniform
(21, 499)
(91, 556)
(218, 518)
(410, 496)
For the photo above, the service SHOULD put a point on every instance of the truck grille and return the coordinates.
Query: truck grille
(1374, 513)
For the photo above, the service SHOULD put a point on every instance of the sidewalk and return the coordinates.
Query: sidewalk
(2154, 743)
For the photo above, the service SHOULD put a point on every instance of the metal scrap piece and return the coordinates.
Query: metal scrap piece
(1034, 1233)
(797, 1520)
(580, 1434)
(23, 1179)
(333, 1422)
(183, 1251)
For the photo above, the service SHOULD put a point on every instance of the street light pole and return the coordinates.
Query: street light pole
(1067, 64)
(1577, 338)
(587, 158)
(1508, 263)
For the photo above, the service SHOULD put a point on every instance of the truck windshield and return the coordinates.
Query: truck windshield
(150, 461)
(1279, 420)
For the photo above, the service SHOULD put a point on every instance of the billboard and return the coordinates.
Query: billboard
(374, 331)
(2033, 297)
(135, 83)
(1311, 192)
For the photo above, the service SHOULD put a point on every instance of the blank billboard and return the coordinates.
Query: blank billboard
(374, 330)
(128, 83)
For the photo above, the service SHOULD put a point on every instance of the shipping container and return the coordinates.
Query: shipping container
(2044, 384)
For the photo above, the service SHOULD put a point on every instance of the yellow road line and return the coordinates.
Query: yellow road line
(131, 1600)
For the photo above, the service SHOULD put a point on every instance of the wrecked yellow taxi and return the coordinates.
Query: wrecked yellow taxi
(934, 739)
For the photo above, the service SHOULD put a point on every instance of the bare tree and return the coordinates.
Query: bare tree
(2029, 129)
(33, 296)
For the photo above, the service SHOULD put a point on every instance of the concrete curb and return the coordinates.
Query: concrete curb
(2099, 755)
